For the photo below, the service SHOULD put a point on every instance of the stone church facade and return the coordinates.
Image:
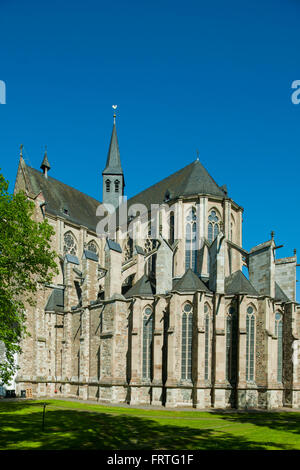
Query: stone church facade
(164, 316)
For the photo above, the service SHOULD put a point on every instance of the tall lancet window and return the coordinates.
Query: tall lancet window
(186, 342)
(278, 333)
(213, 226)
(250, 344)
(147, 342)
(231, 345)
(207, 340)
(117, 186)
(191, 241)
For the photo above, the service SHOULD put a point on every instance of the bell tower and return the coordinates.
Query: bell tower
(112, 175)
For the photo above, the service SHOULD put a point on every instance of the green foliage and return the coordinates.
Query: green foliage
(26, 261)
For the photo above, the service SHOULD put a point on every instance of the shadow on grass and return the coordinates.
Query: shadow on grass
(276, 421)
(21, 428)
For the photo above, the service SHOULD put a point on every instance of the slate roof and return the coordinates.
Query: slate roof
(190, 282)
(143, 287)
(55, 301)
(113, 162)
(112, 245)
(59, 196)
(91, 255)
(192, 179)
(237, 283)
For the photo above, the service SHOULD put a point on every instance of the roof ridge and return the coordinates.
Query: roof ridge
(65, 184)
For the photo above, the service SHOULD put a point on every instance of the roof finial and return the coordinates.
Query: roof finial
(272, 234)
(21, 150)
(114, 106)
(197, 151)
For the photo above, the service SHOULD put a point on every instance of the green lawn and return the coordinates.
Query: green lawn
(74, 425)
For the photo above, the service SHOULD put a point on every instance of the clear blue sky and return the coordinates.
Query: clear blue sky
(214, 76)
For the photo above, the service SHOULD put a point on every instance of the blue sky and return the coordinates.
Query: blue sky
(214, 76)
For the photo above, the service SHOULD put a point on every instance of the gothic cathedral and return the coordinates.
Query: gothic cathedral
(166, 307)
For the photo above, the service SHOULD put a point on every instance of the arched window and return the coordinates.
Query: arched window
(186, 342)
(70, 246)
(250, 344)
(107, 185)
(147, 342)
(207, 337)
(117, 186)
(92, 247)
(232, 225)
(191, 241)
(278, 333)
(213, 226)
(172, 228)
(231, 345)
(150, 245)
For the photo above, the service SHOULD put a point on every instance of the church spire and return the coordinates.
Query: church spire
(113, 177)
(113, 162)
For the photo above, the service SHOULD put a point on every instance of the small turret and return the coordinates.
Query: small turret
(45, 166)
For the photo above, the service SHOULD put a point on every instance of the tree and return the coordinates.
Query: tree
(26, 262)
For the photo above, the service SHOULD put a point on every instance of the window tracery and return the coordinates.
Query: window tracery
(191, 240)
(147, 342)
(213, 226)
(92, 247)
(70, 246)
(250, 344)
(186, 342)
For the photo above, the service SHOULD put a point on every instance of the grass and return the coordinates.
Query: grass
(75, 425)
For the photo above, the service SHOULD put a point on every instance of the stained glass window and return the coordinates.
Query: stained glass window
(191, 240)
(213, 226)
(172, 228)
(147, 342)
(231, 345)
(250, 344)
(206, 367)
(278, 333)
(186, 342)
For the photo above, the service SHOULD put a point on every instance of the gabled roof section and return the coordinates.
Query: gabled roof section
(143, 287)
(237, 283)
(64, 201)
(113, 162)
(192, 179)
(190, 282)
